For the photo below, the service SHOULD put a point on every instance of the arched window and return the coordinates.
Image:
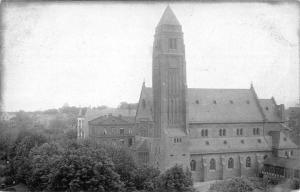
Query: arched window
(206, 132)
(224, 132)
(248, 162)
(193, 165)
(230, 163)
(212, 164)
(104, 132)
(143, 103)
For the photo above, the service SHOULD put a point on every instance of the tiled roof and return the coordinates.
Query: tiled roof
(283, 162)
(270, 110)
(219, 105)
(231, 144)
(223, 105)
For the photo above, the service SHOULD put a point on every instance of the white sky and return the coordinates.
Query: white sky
(100, 53)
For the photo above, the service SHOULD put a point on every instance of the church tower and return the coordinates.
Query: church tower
(169, 90)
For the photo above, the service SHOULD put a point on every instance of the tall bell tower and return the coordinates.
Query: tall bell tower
(169, 87)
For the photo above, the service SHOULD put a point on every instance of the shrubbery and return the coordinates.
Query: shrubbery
(232, 185)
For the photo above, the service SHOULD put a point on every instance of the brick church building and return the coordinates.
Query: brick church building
(216, 133)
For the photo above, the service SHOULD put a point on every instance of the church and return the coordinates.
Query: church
(216, 133)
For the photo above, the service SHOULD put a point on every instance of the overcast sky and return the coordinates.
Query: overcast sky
(99, 53)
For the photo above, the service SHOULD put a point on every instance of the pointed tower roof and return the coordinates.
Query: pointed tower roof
(168, 18)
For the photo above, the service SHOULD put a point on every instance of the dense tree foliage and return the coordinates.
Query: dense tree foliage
(41, 150)
(175, 180)
(232, 185)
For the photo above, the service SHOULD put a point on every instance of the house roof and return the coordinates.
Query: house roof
(126, 114)
(216, 105)
(168, 18)
(270, 110)
(283, 162)
(231, 144)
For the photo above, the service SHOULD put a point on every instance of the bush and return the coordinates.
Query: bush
(175, 180)
(233, 185)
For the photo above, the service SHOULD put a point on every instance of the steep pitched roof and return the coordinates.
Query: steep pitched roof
(270, 110)
(168, 18)
(145, 112)
(217, 105)
(215, 145)
(223, 105)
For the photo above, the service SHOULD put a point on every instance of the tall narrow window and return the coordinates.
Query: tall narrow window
(121, 131)
(230, 163)
(212, 164)
(104, 132)
(202, 132)
(172, 43)
(206, 132)
(193, 165)
(224, 132)
(220, 132)
(241, 131)
(143, 103)
(130, 142)
(257, 131)
(237, 132)
(248, 162)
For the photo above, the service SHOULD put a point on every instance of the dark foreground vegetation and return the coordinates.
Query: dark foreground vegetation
(52, 159)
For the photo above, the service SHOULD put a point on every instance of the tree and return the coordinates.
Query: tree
(86, 169)
(124, 165)
(175, 179)
(145, 178)
(42, 159)
(232, 185)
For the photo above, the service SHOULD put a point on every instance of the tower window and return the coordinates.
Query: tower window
(143, 103)
(172, 43)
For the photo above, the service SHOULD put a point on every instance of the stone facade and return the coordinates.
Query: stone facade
(216, 133)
